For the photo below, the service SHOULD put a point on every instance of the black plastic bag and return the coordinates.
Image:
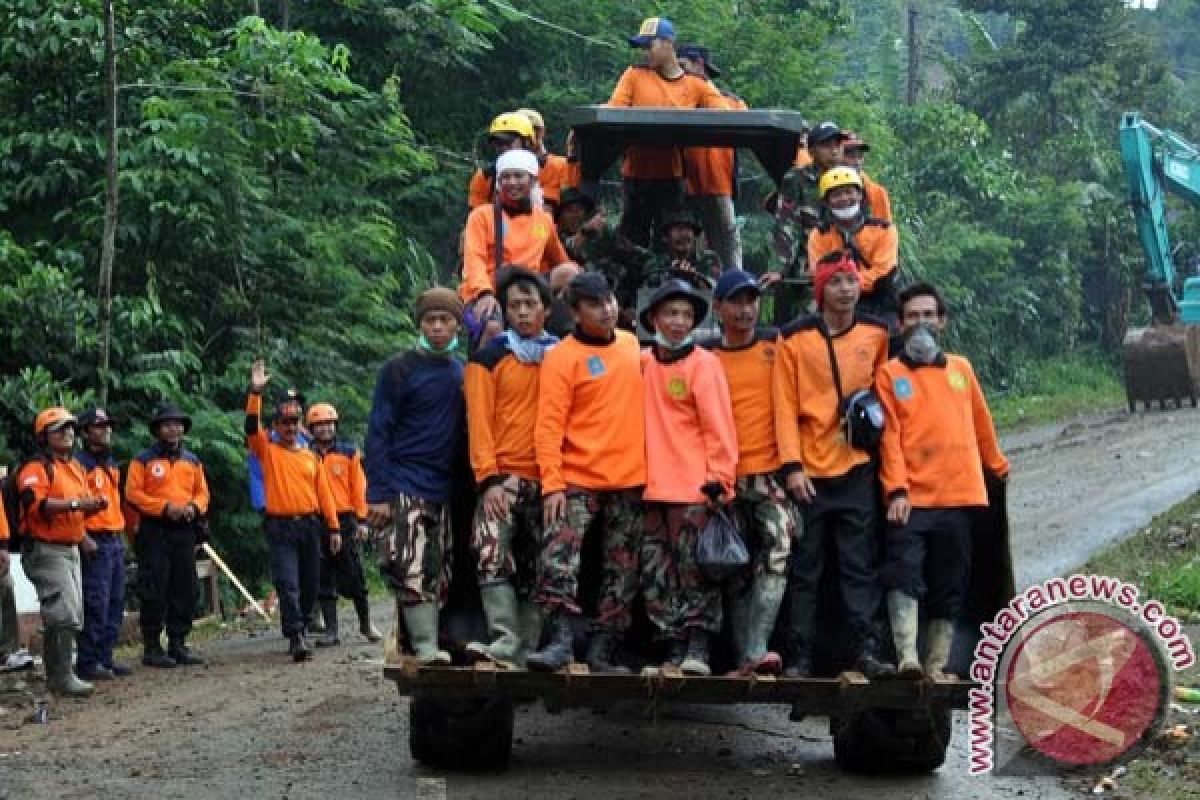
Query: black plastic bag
(721, 551)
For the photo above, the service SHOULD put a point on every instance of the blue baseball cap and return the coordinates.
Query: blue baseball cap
(733, 281)
(653, 28)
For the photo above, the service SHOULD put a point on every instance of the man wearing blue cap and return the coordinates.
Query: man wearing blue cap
(653, 174)
(747, 355)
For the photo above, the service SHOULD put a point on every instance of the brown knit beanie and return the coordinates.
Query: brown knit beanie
(439, 298)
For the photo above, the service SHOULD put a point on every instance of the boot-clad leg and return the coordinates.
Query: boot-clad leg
(560, 645)
(903, 613)
(329, 611)
(421, 620)
(500, 610)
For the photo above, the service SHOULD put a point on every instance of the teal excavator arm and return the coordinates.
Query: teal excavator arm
(1157, 161)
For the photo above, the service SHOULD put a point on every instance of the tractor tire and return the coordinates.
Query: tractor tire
(891, 742)
(471, 734)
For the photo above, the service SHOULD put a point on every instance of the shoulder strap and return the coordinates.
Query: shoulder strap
(833, 363)
(498, 224)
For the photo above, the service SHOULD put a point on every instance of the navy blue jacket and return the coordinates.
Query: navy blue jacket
(416, 427)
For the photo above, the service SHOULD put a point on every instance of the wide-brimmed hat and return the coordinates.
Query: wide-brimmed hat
(674, 289)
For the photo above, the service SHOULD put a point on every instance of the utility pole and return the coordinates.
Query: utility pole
(913, 57)
(108, 242)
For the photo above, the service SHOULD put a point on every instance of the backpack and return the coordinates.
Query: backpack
(13, 512)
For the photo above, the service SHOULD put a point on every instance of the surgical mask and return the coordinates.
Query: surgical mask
(424, 344)
(846, 214)
(921, 345)
(666, 344)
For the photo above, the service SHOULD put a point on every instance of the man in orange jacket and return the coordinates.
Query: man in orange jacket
(872, 242)
(711, 172)
(691, 466)
(590, 444)
(341, 570)
(938, 442)
(527, 236)
(501, 385)
(167, 487)
(652, 175)
(104, 554)
(553, 169)
(301, 515)
(834, 483)
(54, 501)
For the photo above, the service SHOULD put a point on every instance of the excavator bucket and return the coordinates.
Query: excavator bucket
(1162, 365)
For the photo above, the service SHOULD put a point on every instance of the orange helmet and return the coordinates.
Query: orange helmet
(52, 418)
(321, 412)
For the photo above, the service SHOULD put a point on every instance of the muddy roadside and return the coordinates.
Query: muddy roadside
(252, 724)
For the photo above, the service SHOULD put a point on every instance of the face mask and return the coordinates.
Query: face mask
(424, 344)
(664, 343)
(846, 214)
(921, 344)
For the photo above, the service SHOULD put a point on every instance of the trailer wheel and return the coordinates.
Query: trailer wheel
(891, 742)
(472, 734)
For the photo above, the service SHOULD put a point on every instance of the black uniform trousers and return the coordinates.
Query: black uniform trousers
(342, 572)
(843, 511)
(166, 578)
(930, 558)
(294, 544)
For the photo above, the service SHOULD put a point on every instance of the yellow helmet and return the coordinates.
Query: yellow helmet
(535, 118)
(512, 123)
(837, 177)
(321, 412)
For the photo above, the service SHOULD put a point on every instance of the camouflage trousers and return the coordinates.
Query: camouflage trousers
(506, 550)
(677, 597)
(768, 521)
(620, 514)
(417, 550)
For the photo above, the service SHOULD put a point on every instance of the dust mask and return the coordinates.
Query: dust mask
(846, 214)
(921, 345)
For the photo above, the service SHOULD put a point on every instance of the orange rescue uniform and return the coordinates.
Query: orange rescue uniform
(876, 244)
(808, 422)
(343, 468)
(553, 177)
(502, 399)
(157, 477)
(68, 482)
(294, 481)
(583, 386)
(938, 436)
(690, 435)
(879, 202)
(641, 86)
(530, 240)
(750, 374)
(104, 480)
(710, 170)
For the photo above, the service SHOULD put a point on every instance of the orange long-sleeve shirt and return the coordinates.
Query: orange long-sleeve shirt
(641, 86)
(35, 486)
(502, 400)
(343, 468)
(553, 178)
(103, 479)
(294, 480)
(530, 240)
(157, 477)
(938, 434)
(691, 439)
(5, 535)
(711, 170)
(876, 243)
(807, 418)
(878, 200)
(750, 374)
(573, 178)
(590, 430)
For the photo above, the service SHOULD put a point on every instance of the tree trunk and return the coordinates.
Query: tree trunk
(108, 243)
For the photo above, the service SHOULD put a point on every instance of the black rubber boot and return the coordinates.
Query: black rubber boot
(559, 650)
(329, 612)
(153, 656)
(362, 608)
(676, 652)
(298, 648)
(871, 665)
(601, 654)
(178, 650)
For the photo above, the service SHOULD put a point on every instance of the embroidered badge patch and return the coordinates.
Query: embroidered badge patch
(158, 470)
(540, 231)
(595, 366)
(957, 381)
(677, 388)
(903, 388)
